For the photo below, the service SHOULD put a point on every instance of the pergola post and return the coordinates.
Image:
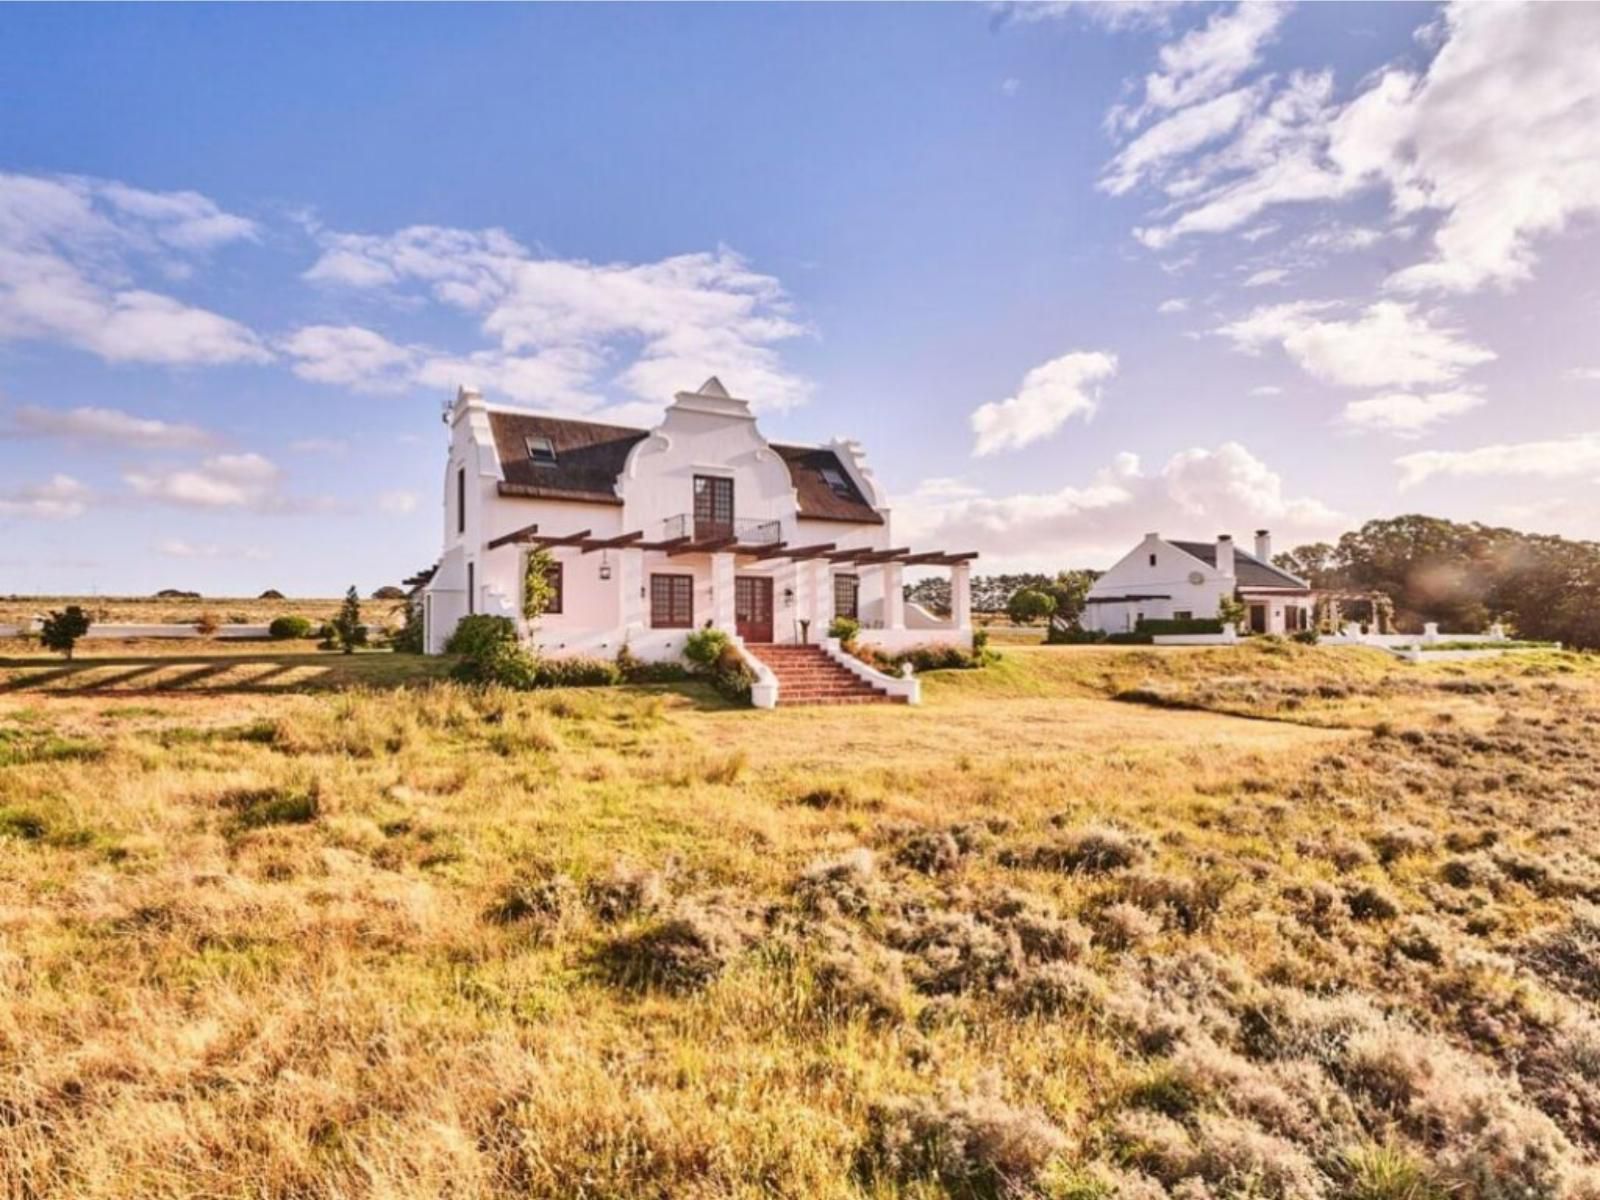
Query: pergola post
(630, 588)
(822, 596)
(722, 600)
(894, 600)
(961, 595)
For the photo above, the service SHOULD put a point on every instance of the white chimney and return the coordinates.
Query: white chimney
(1225, 555)
(1264, 545)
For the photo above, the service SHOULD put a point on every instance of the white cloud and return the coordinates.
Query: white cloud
(1050, 395)
(1408, 414)
(1559, 458)
(1499, 138)
(1171, 307)
(178, 548)
(398, 502)
(68, 252)
(1266, 277)
(1198, 493)
(557, 327)
(91, 424)
(61, 497)
(1266, 389)
(1176, 136)
(1206, 61)
(1010, 87)
(1585, 374)
(1390, 344)
(222, 481)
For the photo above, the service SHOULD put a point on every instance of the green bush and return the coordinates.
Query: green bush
(284, 628)
(1071, 635)
(1307, 637)
(704, 647)
(1029, 605)
(1137, 638)
(503, 664)
(844, 628)
(1162, 627)
(656, 672)
(576, 672)
(731, 677)
(478, 634)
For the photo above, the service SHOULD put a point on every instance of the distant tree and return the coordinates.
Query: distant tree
(346, 631)
(1314, 563)
(61, 630)
(932, 593)
(1030, 605)
(389, 592)
(270, 594)
(1069, 590)
(176, 594)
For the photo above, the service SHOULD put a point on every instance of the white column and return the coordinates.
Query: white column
(894, 601)
(822, 597)
(722, 611)
(961, 595)
(800, 580)
(630, 589)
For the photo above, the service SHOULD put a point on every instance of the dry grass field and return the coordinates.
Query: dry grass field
(1266, 922)
(155, 610)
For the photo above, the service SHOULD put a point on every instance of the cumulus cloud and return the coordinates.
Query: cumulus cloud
(1498, 139)
(1197, 493)
(1389, 344)
(70, 252)
(1266, 277)
(1408, 414)
(1171, 307)
(1558, 458)
(1585, 374)
(58, 498)
(1050, 395)
(91, 424)
(1207, 60)
(561, 331)
(222, 481)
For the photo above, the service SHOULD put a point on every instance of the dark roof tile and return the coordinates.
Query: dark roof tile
(1249, 570)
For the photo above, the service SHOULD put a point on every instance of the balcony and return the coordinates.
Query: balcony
(746, 531)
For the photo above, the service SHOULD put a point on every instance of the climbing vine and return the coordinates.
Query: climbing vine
(537, 589)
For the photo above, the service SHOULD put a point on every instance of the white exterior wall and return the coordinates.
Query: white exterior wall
(701, 434)
(1133, 574)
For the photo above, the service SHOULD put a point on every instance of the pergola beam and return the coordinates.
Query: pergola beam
(565, 539)
(709, 546)
(516, 535)
(611, 543)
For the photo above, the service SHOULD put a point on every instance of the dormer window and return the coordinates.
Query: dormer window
(541, 450)
(836, 480)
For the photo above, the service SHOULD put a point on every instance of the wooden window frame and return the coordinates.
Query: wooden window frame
(715, 488)
(668, 616)
(854, 582)
(557, 578)
(545, 453)
(472, 588)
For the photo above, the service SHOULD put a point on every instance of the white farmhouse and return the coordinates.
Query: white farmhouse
(1162, 579)
(697, 522)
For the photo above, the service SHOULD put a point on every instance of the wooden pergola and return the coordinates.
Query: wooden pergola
(585, 542)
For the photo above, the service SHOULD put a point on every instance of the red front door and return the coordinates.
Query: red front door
(752, 607)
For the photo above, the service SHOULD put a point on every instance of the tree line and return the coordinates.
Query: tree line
(1464, 576)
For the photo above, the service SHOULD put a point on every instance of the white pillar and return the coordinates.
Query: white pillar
(821, 598)
(630, 590)
(722, 610)
(800, 580)
(961, 595)
(894, 601)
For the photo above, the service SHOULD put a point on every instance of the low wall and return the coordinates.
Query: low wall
(1228, 637)
(908, 686)
(896, 640)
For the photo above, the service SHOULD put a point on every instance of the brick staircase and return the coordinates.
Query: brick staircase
(806, 675)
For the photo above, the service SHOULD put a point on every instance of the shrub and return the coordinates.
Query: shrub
(847, 884)
(346, 630)
(1128, 639)
(206, 624)
(972, 1145)
(409, 639)
(1307, 637)
(704, 647)
(1093, 851)
(679, 953)
(284, 628)
(847, 983)
(844, 628)
(1187, 626)
(503, 664)
(479, 633)
(1029, 605)
(1072, 635)
(730, 676)
(635, 670)
(624, 892)
(575, 672)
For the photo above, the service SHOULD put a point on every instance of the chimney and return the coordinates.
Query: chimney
(1264, 545)
(1225, 555)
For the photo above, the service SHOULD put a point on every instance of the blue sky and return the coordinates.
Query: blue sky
(1070, 272)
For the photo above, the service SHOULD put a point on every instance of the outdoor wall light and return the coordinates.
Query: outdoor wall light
(788, 597)
(605, 566)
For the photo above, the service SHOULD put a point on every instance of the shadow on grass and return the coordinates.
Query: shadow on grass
(217, 674)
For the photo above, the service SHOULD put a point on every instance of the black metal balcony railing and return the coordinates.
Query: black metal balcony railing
(747, 531)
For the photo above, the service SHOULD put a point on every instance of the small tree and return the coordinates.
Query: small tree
(1231, 611)
(62, 629)
(1030, 605)
(347, 630)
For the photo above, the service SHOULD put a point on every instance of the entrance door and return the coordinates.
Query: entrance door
(752, 607)
(1258, 618)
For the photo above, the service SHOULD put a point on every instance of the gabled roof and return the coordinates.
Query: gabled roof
(590, 457)
(1249, 570)
(819, 499)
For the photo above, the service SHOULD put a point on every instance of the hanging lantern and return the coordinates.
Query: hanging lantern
(605, 565)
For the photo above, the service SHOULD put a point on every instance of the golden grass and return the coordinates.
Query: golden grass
(335, 945)
(141, 610)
